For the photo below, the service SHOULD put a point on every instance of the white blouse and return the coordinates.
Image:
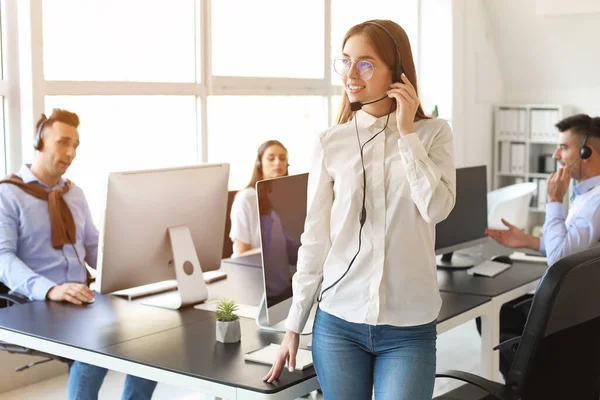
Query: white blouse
(244, 219)
(411, 186)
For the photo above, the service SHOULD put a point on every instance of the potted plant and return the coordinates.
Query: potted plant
(228, 323)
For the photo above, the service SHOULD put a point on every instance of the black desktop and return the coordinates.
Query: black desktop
(465, 226)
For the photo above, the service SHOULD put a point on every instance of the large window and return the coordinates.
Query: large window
(239, 124)
(116, 40)
(195, 81)
(2, 140)
(3, 166)
(248, 41)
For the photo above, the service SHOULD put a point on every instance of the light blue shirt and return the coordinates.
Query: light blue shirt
(29, 265)
(583, 231)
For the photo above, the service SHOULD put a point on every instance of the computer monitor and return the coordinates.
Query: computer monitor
(282, 210)
(163, 224)
(466, 224)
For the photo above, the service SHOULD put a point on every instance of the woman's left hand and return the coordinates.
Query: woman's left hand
(407, 103)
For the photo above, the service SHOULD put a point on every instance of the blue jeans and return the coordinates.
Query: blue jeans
(85, 381)
(351, 359)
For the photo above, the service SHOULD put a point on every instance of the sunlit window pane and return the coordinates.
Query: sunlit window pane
(120, 133)
(120, 40)
(268, 38)
(347, 13)
(238, 125)
(335, 103)
(1, 44)
(2, 140)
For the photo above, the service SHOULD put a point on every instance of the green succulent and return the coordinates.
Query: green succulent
(226, 311)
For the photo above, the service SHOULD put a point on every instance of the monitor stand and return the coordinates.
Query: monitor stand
(188, 273)
(454, 261)
(262, 319)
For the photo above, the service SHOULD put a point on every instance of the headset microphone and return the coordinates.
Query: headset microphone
(573, 163)
(357, 105)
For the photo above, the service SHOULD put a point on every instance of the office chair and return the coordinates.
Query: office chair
(227, 243)
(9, 300)
(558, 355)
(511, 203)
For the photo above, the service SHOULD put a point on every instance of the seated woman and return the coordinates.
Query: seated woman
(271, 162)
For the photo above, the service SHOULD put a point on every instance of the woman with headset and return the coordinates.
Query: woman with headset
(271, 162)
(379, 182)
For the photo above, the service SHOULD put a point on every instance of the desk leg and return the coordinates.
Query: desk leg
(490, 337)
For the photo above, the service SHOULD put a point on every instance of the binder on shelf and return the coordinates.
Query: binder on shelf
(522, 125)
(505, 151)
(542, 194)
(514, 158)
(514, 124)
(517, 158)
(534, 198)
(542, 125)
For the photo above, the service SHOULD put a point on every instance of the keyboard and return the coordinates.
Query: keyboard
(533, 258)
(164, 286)
(488, 268)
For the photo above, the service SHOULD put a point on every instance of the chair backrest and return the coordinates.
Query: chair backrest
(559, 353)
(511, 203)
(3, 290)
(227, 243)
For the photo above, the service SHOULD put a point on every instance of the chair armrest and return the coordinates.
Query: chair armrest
(494, 388)
(512, 344)
(14, 349)
(12, 298)
(522, 303)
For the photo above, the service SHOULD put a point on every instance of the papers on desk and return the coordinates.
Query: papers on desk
(523, 257)
(268, 354)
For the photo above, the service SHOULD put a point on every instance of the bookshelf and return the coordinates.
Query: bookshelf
(524, 140)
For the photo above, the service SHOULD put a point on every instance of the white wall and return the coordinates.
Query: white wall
(563, 7)
(548, 59)
(477, 81)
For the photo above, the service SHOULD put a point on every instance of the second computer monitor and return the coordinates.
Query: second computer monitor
(467, 222)
(282, 210)
(141, 207)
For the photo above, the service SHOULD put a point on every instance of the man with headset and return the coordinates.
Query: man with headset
(46, 235)
(579, 158)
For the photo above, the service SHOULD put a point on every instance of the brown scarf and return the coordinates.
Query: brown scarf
(62, 223)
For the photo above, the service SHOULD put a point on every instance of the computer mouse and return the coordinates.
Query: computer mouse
(503, 259)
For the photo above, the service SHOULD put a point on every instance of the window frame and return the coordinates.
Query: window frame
(32, 86)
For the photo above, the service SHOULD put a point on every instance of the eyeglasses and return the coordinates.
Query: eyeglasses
(342, 65)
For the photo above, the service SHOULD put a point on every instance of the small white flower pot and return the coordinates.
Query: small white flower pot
(228, 332)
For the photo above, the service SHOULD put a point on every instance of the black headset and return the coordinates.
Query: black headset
(585, 151)
(38, 140)
(397, 69)
(355, 106)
